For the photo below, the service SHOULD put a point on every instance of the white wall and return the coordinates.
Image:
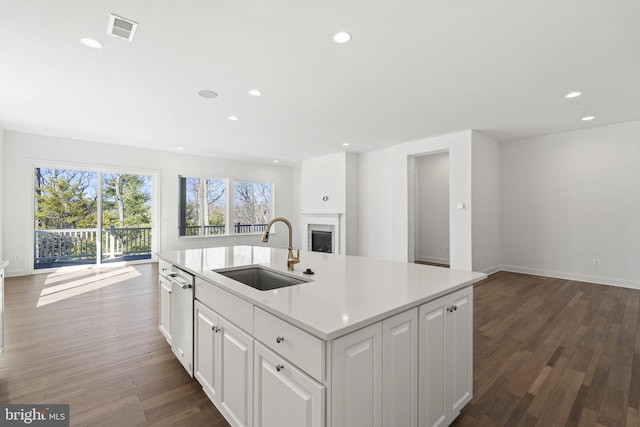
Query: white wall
(323, 176)
(1, 188)
(352, 203)
(336, 177)
(570, 198)
(296, 212)
(432, 208)
(21, 151)
(485, 190)
(402, 158)
(375, 189)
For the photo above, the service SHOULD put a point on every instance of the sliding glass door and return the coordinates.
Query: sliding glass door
(88, 217)
(126, 217)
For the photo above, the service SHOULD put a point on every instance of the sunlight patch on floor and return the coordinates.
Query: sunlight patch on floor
(70, 287)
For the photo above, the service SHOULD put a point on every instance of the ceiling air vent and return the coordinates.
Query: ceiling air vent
(122, 28)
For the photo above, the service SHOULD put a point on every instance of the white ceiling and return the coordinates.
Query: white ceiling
(414, 69)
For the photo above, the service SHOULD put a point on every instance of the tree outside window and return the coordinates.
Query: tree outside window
(252, 206)
(202, 206)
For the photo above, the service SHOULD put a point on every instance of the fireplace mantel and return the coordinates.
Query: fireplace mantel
(323, 222)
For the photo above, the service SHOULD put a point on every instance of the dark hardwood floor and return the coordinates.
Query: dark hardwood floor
(553, 352)
(546, 352)
(90, 339)
(437, 264)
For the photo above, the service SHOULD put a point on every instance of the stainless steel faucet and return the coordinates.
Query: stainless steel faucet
(291, 260)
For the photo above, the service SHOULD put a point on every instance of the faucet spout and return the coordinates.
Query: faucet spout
(291, 260)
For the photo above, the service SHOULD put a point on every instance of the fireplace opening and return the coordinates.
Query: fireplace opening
(321, 241)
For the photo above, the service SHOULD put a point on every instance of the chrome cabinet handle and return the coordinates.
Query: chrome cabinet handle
(279, 339)
(279, 368)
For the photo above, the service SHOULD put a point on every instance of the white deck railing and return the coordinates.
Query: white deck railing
(81, 243)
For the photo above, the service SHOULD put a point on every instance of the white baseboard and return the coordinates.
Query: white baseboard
(491, 270)
(16, 273)
(600, 280)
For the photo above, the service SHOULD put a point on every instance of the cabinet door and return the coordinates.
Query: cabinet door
(460, 350)
(206, 365)
(432, 354)
(285, 396)
(165, 308)
(357, 378)
(236, 374)
(400, 370)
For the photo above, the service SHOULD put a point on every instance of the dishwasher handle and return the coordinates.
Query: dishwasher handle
(173, 278)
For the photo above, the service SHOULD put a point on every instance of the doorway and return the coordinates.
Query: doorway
(89, 217)
(431, 209)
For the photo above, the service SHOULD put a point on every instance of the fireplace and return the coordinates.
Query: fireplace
(321, 241)
(321, 233)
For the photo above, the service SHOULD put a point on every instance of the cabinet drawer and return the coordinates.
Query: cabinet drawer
(236, 310)
(164, 267)
(300, 348)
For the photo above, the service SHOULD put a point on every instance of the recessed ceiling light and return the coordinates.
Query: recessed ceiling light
(233, 118)
(574, 94)
(345, 144)
(276, 161)
(341, 37)
(255, 92)
(587, 118)
(180, 148)
(207, 94)
(91, 43)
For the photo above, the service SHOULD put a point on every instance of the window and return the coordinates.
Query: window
(206, 205)
(203, 206)
(252, 206)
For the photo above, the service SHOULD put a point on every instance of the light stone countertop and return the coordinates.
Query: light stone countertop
(346, 292)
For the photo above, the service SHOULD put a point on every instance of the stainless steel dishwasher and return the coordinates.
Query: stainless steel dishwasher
(182, 316)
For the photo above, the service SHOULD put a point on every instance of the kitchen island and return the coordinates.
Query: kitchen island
(361, 342)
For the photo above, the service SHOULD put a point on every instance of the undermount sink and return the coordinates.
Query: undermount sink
(261, 278)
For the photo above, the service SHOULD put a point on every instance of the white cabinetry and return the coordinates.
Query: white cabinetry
(302, 349)
(400, 370)
(357, 379)
(261, 368)
(165, 308)
(374, 374)
(284, 395)
(206, 350)
(446, 357)
(224, 365)
(165, 299)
